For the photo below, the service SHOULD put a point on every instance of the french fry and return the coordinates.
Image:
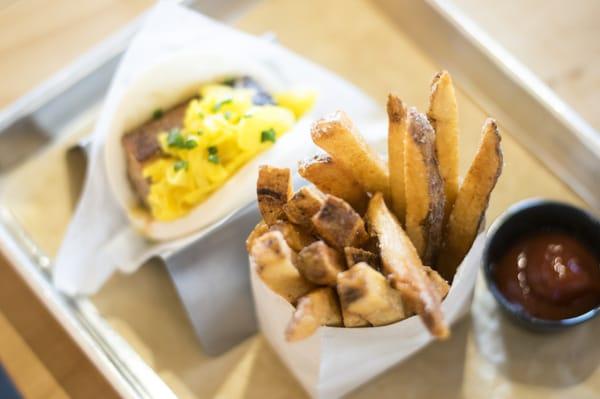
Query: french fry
(258, 230)
(337, 135)
(366, 292)
(424, 188)
(303, 205)
(329, 177)
(320, 264)
(358, 255)
(274, 261)
(296, 237)
(401, 263)
(350, 319)
(472, 201)
(397, 131)
(318, 308)
(443, 115)
(441, 285)
(273, 189)
(339, 225)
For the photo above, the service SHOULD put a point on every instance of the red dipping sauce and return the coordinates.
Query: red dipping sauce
(551, 275)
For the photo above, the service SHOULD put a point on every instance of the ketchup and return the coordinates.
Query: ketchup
(550, 274)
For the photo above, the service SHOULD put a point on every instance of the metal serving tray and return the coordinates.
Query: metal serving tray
(62, 110)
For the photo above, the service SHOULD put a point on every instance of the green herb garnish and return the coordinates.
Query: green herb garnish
(180, 164)
(176, 140)
(200, 114)
(227, 115)
(220, 104)
(157, 114)
(213, 154)
(268, 135)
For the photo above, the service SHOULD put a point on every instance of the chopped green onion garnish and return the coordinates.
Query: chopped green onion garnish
(268, 135)
(200, 114)
(227, 115)
(176, 140)
(180, 164)
(157, 114)
(213, 155)
(220, 104)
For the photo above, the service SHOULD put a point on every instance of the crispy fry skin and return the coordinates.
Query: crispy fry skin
(273, 189)
(337, 135)
(296, 237)
(443, 115)
(275, 265)
(424, 188)
(358, 255)
(403, 266)
(303, 205)
(397, 119)
(471, 201)
(318, 308)
(320, 264)
(260, 229)
(329, 177)
(339, 225)
(365, 292)
(441, 285)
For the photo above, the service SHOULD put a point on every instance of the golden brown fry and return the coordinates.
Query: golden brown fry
(273, 189)
(403, 266)
(365, 292)
(303, 205)
(329, 177)
(350, 319)
(397, 131)
(471, 201)
(424, 188)
(441, 285)
(320, 263)
(337, 135)
(274, 262)
(443, 115)
(260, 229)
(318, 308)
(296, 237)
(358, 255)
(339, 225)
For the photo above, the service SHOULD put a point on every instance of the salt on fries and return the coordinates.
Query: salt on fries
(372, 243)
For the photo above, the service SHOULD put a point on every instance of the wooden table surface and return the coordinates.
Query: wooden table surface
(559, 43)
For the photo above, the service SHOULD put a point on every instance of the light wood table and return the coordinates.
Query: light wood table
(558, 43)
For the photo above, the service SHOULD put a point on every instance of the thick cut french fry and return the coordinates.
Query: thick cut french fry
(274, 261)
(397, 120)
(273, 189)
(402, 265)
(424, 188)
(358, 255)
(260, 229)
(443, 115)
(320, 264)
(339, 225)
(366, 292)
(471, 201)
(318, 308)
(441, 285)
(337, 135)
(303, 205)
(350, 319)
(296, 237)
(329, 177)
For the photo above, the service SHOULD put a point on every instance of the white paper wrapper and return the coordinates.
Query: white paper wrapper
(103, 234)
(334, 361)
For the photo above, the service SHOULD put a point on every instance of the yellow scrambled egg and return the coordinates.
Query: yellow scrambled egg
(222, 130)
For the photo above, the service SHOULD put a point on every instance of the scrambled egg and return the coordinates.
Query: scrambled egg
(221, 131)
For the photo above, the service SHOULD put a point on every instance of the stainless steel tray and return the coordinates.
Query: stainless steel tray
(486, 73)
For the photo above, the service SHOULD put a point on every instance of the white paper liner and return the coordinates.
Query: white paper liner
(101, 238)
(334, 361)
